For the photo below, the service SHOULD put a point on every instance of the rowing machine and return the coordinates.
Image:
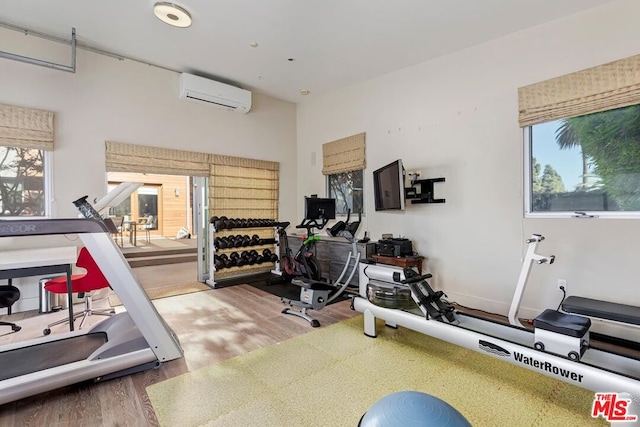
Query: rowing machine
(590, 368)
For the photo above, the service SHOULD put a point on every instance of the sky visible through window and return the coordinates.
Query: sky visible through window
(545, 149)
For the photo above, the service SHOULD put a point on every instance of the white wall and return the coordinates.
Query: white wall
(126, 101)
(457, 117)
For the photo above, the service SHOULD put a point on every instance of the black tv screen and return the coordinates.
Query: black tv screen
(388, 187)
(317, 208)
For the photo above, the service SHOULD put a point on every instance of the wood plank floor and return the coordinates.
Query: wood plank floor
(211, 325)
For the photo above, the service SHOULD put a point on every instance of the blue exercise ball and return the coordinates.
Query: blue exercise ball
(412, 408)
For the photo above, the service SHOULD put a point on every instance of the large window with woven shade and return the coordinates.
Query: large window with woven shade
(582, 143)
(26, 146)
(343, 163)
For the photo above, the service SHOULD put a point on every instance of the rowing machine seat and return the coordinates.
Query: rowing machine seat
(562, 323)
(564, 334)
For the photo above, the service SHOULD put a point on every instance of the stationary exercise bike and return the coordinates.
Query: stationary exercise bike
(304, 262)
(314, 293)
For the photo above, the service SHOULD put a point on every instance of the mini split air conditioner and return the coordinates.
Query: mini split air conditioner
(211, 92)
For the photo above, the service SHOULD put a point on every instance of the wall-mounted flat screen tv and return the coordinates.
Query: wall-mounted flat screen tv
(388, 187)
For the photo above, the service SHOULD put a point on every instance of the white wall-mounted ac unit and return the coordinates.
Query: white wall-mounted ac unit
(205, 91)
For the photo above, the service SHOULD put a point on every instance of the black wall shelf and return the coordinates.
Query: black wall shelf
(424, 192)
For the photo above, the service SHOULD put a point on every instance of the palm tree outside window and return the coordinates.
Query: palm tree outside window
(582, 165)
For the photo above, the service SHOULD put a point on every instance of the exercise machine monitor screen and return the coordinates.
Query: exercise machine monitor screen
(316, 208)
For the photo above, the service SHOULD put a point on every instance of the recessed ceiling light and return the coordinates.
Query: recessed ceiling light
(172, 14)
(253, 44)
(305, 92)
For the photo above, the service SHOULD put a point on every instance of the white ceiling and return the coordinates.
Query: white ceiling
(335, 43)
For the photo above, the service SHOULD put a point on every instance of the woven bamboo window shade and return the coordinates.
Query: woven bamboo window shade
(601, 88)
(243, 188)
(26, 128)
(122, 157)
(344, 155)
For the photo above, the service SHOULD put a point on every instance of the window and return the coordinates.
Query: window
(140, 205)
(148, 204)
(343, 163)
(584, 165)
(25, 182)
(346, 188)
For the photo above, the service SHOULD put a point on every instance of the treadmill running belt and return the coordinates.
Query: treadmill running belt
(47, 355)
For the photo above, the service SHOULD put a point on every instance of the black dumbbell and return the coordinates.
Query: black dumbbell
(248, 258)
(217, 262)
(241, 261)
(268, 256)
(225, 260)
(259, 258)
(221, 224)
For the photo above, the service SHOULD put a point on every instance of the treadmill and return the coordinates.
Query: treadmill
(125, 343)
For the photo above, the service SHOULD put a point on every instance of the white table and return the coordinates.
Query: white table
(40, 261)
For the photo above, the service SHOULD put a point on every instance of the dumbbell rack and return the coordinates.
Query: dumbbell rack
(224, 241)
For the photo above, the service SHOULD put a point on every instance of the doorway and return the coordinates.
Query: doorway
(161, 243)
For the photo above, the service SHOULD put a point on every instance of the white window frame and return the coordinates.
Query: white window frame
(328, 193)
(527, 140)
(48, 189)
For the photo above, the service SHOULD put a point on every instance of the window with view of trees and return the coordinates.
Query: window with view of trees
(588, 163)
(346, 188)
(23, 185)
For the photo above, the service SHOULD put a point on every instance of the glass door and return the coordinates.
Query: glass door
(148, 207)
(200, 191)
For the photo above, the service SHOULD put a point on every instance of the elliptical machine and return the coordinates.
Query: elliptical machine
(315, 294)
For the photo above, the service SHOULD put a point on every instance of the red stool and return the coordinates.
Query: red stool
(92, 280)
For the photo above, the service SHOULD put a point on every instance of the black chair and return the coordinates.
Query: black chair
(8, 295)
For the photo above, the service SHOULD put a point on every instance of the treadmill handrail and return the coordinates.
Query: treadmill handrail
(39, 227)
